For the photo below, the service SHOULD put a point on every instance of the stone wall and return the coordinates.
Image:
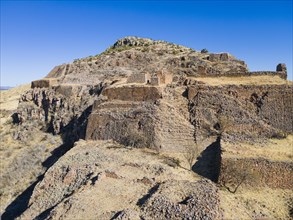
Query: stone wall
(205, 70)
(168, 78)
(126, 115)
(154, 123)
(43, 83)
(259, 171)
(164, 77)
(158, 79)
(281, 74)
(58, 71)
(213, 57)
(133, 93)
(138, 78)
(131, 124)
(248, 111)
(214, 72)
(70, 90)
(155, 81)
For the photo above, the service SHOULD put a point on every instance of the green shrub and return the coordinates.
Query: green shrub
(204, 50)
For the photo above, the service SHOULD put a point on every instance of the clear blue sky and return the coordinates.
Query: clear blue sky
(37, 35)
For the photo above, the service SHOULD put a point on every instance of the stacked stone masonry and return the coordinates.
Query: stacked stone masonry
(264, 172)
(247, 110)
(160, 78)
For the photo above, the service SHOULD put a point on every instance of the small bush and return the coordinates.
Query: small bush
(235, 175)
(204, 50)
(172, 162)
(279, 135)
(175, 52)
(116, 49)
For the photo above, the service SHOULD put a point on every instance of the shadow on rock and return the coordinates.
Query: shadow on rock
(146, 197)
(209, 162)
(20, 204)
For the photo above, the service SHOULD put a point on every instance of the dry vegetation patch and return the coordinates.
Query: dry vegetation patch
(273, 149)
(21, 160)
(9, 98)
(244, 80)
(256, 203)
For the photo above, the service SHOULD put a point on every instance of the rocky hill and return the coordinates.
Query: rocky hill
(149, 130)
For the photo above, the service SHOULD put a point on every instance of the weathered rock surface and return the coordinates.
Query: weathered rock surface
(128, 123)
(102, 174)
(184, 200)
(62, 109)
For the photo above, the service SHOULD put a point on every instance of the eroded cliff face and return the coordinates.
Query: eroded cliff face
(63, 109)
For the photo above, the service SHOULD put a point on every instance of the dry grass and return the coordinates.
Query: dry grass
(20, 160)
(273, 149)
(244, 80)
(9, 98)
(256, 203)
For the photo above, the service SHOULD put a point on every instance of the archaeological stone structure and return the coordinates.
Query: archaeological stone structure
(159, 78)
(121, 81)
(140, 96)
(125, 82)
(139, 78)
(157, 130)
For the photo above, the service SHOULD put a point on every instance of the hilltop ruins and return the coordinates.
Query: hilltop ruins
(168, 98)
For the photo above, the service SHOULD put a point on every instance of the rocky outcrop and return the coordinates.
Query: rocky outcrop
(133, 93)
(61, 109)
(136, 185)
(197, 200)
